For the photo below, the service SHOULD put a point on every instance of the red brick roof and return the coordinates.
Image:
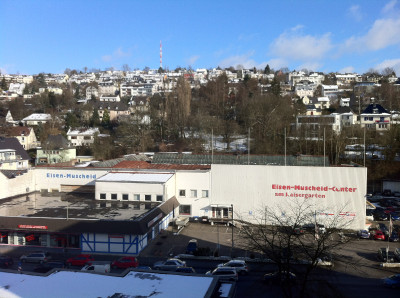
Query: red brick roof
(131, 164)
(19, 131)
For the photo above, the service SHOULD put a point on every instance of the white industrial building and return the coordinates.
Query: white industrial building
(132, 204)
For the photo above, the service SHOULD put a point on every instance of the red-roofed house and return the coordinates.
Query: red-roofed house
(25, 135)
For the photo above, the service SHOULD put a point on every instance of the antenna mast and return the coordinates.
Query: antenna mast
(160, 54)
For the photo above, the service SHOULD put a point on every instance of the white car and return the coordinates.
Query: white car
(224, 273)
(169, 265)
(239, 265)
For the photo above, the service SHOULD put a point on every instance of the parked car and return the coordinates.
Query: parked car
(46, 267)
(239, 265)
(385, 255)
(36, 257)
(80, 260)
(397, 254)
(384, 229)
(370, 214)
(394, 237)
(125, 262)
(380, 216)
(224, 273)
(392, 281)
(185, 270)
(363, 234)
(169, 265)
(378, 235)
(280, 277)
(395, 216)
(192, 246)
(97, 268)
(6, 261)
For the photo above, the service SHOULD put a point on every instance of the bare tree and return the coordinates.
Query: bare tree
(292, 235)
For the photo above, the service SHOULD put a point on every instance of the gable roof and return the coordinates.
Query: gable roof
(19, 131)
(111, 105)
(56, 142)
(13, 143)
(375, 108)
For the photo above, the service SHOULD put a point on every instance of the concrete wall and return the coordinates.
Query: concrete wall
(17, 186)
(330, 192)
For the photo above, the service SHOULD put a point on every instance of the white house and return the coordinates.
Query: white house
(36, 119)
(82, 136)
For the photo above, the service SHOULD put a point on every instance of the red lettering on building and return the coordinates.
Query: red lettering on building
(32, 227)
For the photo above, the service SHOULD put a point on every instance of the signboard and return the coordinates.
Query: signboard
(32, 227)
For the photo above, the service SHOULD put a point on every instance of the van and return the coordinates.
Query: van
(97, 268)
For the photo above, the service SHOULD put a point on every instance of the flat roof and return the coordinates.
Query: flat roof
(133, 284)
(73, 206)
(135, 177)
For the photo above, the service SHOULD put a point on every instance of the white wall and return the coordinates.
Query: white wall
(194, 180)
(17, 186)
(251, 188)
(49, 179)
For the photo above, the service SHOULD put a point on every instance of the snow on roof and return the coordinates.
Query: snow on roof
(34, 117)
(81, 284)
(135, 177)
(83, 131)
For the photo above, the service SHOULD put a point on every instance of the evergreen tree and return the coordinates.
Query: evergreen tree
(3, 84)
(267, 70)
(95, 120)
(106, 118)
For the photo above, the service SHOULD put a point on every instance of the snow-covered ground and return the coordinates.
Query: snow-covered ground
(86, 285)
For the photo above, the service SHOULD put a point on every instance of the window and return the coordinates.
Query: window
(136, 197)
(136, 207)
(147, 206)
(193, 193)
(125, 197)
(147, 197)
(102, 196)
(113, 196)
(184, 209)
(182, 193)
(159, 198)
(204, 193)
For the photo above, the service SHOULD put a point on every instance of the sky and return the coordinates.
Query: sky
(329, 36)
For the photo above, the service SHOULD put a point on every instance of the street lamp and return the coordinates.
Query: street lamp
(232, 230)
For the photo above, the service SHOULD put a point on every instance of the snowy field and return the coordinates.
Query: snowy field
(80, 284)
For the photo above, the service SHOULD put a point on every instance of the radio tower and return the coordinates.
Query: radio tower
(160, 54)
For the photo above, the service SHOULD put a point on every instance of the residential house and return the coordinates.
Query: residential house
(56, 149)
(12, 155)
(330, 91)
(319, 102)
(375, 117)
(91, 91)
(36, 119)
(316, 123)
(110, 98)
(346, 117)
(115, 109)
(107, 87)
(5, 116)
(82, 136)
(17, 88)
(25, 135)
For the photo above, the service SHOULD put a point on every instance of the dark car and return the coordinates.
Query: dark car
(384, 255)
(6, 261)
(380, 216)
(192, 246)
(125, 262)
(277, 277)
(185, 270)
(394, 237)
(392, 281)
(80, 260)
(43, 268)
(384, 229)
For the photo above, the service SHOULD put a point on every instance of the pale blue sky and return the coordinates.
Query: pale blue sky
(51, 35)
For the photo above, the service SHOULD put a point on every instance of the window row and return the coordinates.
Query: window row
(131, 197)
(193, 193)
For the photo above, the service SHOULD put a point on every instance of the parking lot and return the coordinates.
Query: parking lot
(356, 272)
